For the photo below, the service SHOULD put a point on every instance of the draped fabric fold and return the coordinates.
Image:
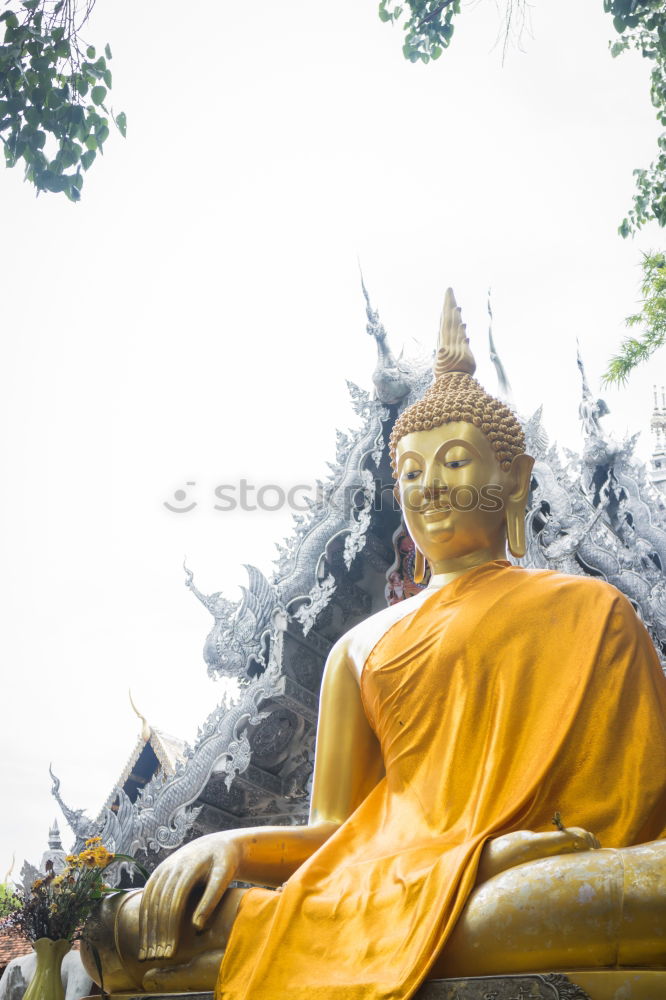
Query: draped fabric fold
(507, 696)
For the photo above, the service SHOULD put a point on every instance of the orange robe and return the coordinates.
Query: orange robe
(508, 695)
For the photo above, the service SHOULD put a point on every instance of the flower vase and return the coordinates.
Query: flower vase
(46, 983)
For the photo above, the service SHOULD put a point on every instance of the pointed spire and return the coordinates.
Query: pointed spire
(505, 390)
(453, 351)
(55, 842)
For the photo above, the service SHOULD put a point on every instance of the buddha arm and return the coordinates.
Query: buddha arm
(348, 765)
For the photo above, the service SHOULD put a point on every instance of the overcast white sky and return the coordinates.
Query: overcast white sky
(196, 316)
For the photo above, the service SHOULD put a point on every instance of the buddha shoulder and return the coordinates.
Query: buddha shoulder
(354, 647)
(566, 588)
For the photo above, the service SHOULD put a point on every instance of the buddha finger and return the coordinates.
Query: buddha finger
(143, 920)
(218, 881)
(149, 912)
(174, 891)
(174, 897)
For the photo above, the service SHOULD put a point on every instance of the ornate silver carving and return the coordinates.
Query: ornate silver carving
(319, 597)
(82, 826)
(237, 637)
(590, 515)
(551, 986)
(355, 540)
(390, 377)
(505, 391)
(238, 756)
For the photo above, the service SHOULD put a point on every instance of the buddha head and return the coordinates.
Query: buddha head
(458, 457)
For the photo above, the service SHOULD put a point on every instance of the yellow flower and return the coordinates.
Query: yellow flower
(102, 857)
(93, 841)
(87, 858)
(73, 860)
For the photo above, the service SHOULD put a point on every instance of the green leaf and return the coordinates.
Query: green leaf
(108, 79)
(107, 50)
(121, 122)
(90, 52)
(72, 191)
(102, 134)
(53, 182)
(98, 964)
(98, 94)
(87, 159)
(77, 115)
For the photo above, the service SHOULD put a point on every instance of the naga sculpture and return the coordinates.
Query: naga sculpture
(454, 727)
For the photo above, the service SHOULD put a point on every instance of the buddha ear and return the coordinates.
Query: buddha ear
(516, 498)
(419, 565)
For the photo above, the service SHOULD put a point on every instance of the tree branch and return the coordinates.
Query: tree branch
(434, 13)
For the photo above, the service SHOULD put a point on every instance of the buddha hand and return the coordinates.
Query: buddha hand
(524, 845)
(210, 862)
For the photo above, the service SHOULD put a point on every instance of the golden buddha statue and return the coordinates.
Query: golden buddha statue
(453, 726)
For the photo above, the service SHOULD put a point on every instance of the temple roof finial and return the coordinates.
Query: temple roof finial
(390, 382)
(590, 410)
(374, 326)
(505, 390)
(146, 730)
(79, 822)
(10, 869)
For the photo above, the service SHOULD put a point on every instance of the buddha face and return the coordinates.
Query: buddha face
(453, 492)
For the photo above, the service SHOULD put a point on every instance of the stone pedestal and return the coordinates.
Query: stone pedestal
(598, 984)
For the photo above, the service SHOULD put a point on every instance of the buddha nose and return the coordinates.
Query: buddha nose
(434, 490)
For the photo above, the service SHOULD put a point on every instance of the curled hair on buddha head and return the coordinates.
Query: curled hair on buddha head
(456, 395)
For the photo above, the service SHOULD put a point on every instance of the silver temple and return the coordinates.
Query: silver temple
(600, 513)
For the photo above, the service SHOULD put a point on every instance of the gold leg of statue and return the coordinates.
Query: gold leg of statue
(115, 933)
(584, 910)
(600, 909)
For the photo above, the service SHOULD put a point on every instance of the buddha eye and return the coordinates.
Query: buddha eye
(412, 474)
(458, 463)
